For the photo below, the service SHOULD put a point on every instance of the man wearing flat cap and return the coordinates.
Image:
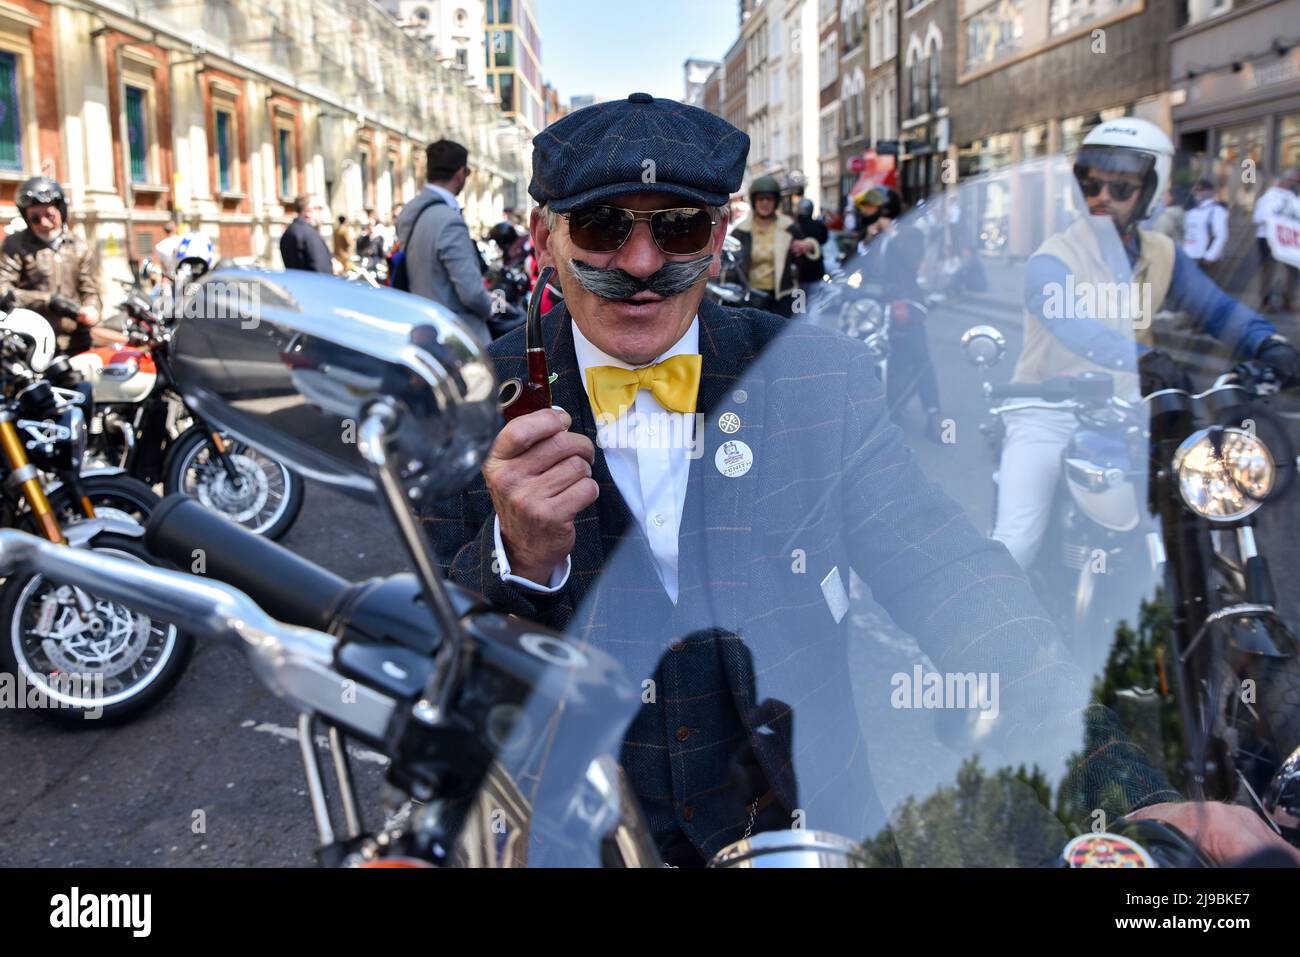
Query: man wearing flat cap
(692, 451)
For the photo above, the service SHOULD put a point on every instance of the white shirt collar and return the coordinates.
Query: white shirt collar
(447, 195)
(589, 355)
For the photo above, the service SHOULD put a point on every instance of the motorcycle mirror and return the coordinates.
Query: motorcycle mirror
(364, 388)
(985, 346)
(1282, 797)
(293, 362)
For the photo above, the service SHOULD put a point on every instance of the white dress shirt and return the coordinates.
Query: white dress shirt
(447, 195)
(648, 451)
(1205, 231)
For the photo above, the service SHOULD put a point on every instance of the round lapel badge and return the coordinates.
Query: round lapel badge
(1105, 850)
(729, 422)
(733, 458)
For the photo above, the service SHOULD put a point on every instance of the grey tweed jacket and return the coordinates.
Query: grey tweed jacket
(753, 649)
(441, 260)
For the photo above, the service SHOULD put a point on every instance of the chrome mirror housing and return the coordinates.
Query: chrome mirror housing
(793, 848)
(293, 362)
(1282, 798)
(984, 345)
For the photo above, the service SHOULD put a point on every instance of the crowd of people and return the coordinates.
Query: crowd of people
(785, 254)
(1201, 226)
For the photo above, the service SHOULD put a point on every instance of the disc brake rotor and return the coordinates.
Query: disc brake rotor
(109, 643)
(242, 502)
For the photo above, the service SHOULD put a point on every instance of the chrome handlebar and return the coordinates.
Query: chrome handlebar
(295, 663)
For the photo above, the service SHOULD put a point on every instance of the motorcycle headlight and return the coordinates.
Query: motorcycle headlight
(1224, 474)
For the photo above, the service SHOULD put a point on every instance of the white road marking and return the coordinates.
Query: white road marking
(291, 734)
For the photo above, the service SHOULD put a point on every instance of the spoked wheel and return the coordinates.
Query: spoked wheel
(111, 665)
(265, 499)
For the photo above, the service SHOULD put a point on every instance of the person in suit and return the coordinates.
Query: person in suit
(676, 556)
(301, 245)
(442, 261)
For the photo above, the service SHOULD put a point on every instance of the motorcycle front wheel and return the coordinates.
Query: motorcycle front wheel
(267, 499)
(106, 669)
(111, 496)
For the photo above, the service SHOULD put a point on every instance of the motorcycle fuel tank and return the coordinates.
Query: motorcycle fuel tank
(1096, 472)
(117, 374)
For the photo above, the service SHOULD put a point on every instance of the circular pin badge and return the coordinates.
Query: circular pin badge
(740, 397)
(1105, 850)
(733, 458)
(729, 422)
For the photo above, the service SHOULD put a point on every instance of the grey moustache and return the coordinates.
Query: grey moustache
(670, 279)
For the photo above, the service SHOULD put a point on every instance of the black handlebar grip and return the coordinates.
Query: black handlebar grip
(290, 588)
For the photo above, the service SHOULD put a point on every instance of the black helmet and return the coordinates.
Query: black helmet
(504, 235)
(40, 190)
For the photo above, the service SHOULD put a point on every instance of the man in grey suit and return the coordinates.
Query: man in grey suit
(442, 262)
(695, 499)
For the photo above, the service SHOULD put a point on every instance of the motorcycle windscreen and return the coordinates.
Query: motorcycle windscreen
(840, 664)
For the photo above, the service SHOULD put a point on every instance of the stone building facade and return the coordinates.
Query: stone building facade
(217, 115)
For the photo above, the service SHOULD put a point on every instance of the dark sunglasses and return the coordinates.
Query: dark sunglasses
(1118, 190)
(677, 232)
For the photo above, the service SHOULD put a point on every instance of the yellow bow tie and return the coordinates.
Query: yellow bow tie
(675, 384)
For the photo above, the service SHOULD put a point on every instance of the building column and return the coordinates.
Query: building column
(82, 74)
(193, 196)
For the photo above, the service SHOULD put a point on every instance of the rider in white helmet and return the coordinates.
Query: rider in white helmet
(196, 253)
(1122, 170)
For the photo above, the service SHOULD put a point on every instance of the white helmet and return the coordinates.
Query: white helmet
(38, 333)
(196, 248)
(1130, 145)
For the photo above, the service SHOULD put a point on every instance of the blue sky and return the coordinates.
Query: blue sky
(617, 47)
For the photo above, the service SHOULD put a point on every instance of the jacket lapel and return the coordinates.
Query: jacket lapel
(714, 540)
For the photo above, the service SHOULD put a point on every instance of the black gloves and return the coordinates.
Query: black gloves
(63, 307)
(1157, 370)
(1282, 358)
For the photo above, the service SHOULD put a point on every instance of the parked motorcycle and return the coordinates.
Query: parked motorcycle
(88, 655)
(142, 424)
